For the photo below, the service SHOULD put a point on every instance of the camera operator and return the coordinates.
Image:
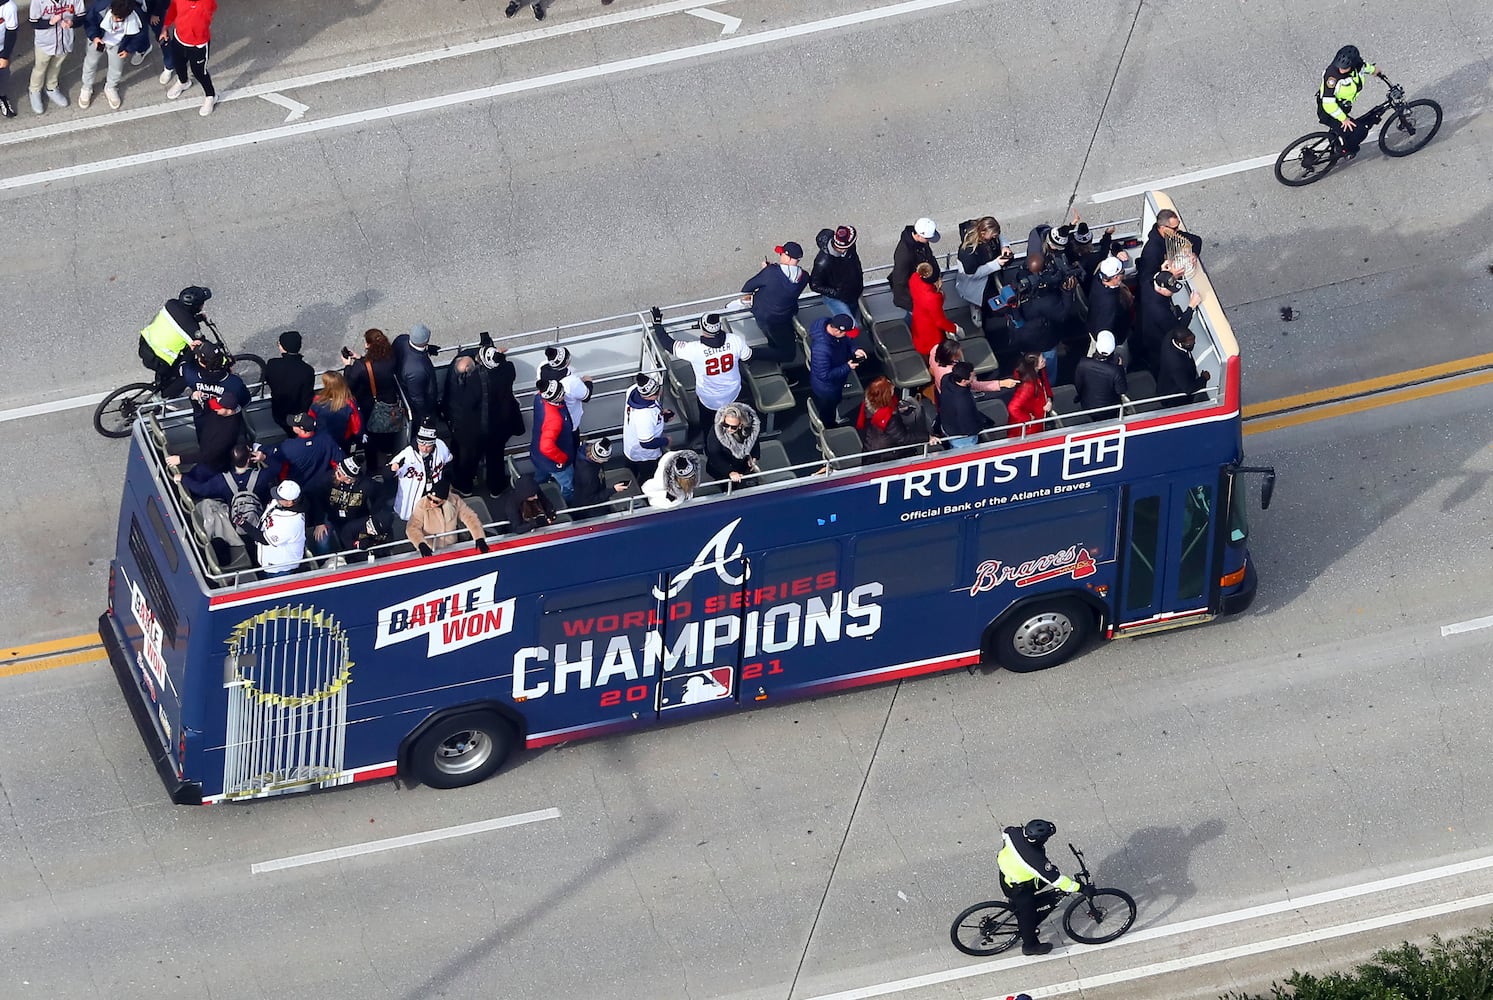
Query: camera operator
(1047, 309)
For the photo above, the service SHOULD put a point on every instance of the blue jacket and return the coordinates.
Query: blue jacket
(416, 374)
(139, 42)
(829, 359)
(774, 297)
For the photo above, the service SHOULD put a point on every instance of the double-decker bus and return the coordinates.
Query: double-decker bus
(829, 569)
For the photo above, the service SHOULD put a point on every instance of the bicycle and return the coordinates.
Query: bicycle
(115, 414)
(1095, 916)
(1411, 126)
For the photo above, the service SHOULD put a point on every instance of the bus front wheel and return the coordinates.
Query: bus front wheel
(1042, 634)
(462, 749)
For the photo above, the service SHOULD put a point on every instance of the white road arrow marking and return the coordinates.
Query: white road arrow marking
(728, 23)
(296, 108)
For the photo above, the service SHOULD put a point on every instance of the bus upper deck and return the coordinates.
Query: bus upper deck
(796, 446)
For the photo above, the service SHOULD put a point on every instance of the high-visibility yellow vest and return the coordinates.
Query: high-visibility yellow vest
(166, 337)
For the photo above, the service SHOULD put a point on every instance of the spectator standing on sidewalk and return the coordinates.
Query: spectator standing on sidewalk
(10, 23)
(53, 21)
(115, 31)
(155, 13)
(514, 6)
(187, 28)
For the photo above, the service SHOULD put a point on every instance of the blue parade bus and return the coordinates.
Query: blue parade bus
(830, 569)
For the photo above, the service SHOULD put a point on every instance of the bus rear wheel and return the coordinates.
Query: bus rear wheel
(461, 749)
(1043, 634)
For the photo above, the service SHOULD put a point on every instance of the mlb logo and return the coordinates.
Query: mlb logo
(1093, 453)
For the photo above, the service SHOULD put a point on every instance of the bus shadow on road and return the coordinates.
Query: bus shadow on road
(1153, 866)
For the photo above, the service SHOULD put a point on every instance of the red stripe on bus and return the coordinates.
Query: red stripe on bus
(381, 771)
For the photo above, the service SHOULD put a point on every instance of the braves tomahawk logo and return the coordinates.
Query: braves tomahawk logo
(713, 556)
(1074, 561)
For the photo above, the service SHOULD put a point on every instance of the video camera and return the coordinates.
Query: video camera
(1056, 270)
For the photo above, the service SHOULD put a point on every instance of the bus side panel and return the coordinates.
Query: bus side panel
(155, 602)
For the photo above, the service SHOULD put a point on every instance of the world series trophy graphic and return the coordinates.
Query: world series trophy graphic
(287, 674)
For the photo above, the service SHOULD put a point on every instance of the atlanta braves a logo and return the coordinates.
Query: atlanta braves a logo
(1074, 561)
(712, 557)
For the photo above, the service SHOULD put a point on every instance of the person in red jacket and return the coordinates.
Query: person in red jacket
(187, 28)
(929, 323)
(1032, 400)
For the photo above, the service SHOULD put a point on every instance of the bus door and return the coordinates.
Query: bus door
(697, 643)
(1169, 557)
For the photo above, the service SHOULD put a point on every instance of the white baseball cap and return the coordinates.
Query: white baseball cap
(288, 490)
(926, 228)
(1105, 342)
(1109, 267)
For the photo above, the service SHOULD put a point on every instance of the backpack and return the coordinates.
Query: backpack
(245, 508)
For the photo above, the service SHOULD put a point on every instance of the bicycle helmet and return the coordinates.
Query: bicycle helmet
(195, 296)
(211, 358)
(1348, 58)
(1039, 830)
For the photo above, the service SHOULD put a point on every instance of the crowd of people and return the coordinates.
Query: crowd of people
(342, 481)
(114, 36)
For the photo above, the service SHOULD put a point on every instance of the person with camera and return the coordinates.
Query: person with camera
(982, 255)
(833, 360)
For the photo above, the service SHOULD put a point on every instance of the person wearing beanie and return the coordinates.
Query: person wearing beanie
(552, 446)
(1099, 380)
(416, 372)
(772, 293)
(525, 507)
(352, 499)
(434, 522)
(837, 274)
(716, 358)
(417, 467)
(291, 381)
(590, 482)
(674, 481)
(643, 421)
(556, 367)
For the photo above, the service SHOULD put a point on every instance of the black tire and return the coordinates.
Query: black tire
(115, 416)
(1102, 917)
(250, 368)
(987, 928)
(1411, 127)
(1042, 634)
(461, 749)
(1307, 159)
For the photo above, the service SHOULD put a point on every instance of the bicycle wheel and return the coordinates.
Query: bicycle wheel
(1307, 159)
(250, 368)
(987, 928)
(1411, 127)
(115, 416)
(1100, 916)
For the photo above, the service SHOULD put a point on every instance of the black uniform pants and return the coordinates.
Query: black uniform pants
(498, 480)
(1351, 140)
(1023, 900)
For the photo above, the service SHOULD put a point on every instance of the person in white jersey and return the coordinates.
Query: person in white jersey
(716, 358)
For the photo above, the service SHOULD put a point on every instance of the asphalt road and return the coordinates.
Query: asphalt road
(1329, 738)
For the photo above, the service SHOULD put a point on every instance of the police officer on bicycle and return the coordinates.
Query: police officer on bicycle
(1025, 871)
(177, 327)
(1342, 82)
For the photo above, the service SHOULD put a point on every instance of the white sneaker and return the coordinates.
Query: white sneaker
(57, 97)
(178, 88)
(207, 106)
(167, 76)
(112, 96)
(85, 98)
(137, 58)
(36, 104)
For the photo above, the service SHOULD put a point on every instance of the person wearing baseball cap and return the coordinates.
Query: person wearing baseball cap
(833, 360)
(307, 457)
(1111, 302)
(1099, 382)
(913, 248)
(281, 535)
(552, 445)
(837, 274)
(772, 294)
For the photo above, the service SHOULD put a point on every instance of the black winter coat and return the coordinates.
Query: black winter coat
(1178, 374)
(1099, 383)
(416, 377)
(1154, 252)
(1109, 309)
(840, 278)
(956, 409)
(905, 260)
(292, 383)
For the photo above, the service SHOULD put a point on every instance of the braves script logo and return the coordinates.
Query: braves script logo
(714, 557)
(1073, 561)
(453, 617)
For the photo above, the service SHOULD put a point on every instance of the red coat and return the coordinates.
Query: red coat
(929, 324)
(1029, 402)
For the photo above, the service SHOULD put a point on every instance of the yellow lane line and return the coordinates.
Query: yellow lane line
(52, 662)
(50, 646)
(1350, 406)
(1367, 385)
